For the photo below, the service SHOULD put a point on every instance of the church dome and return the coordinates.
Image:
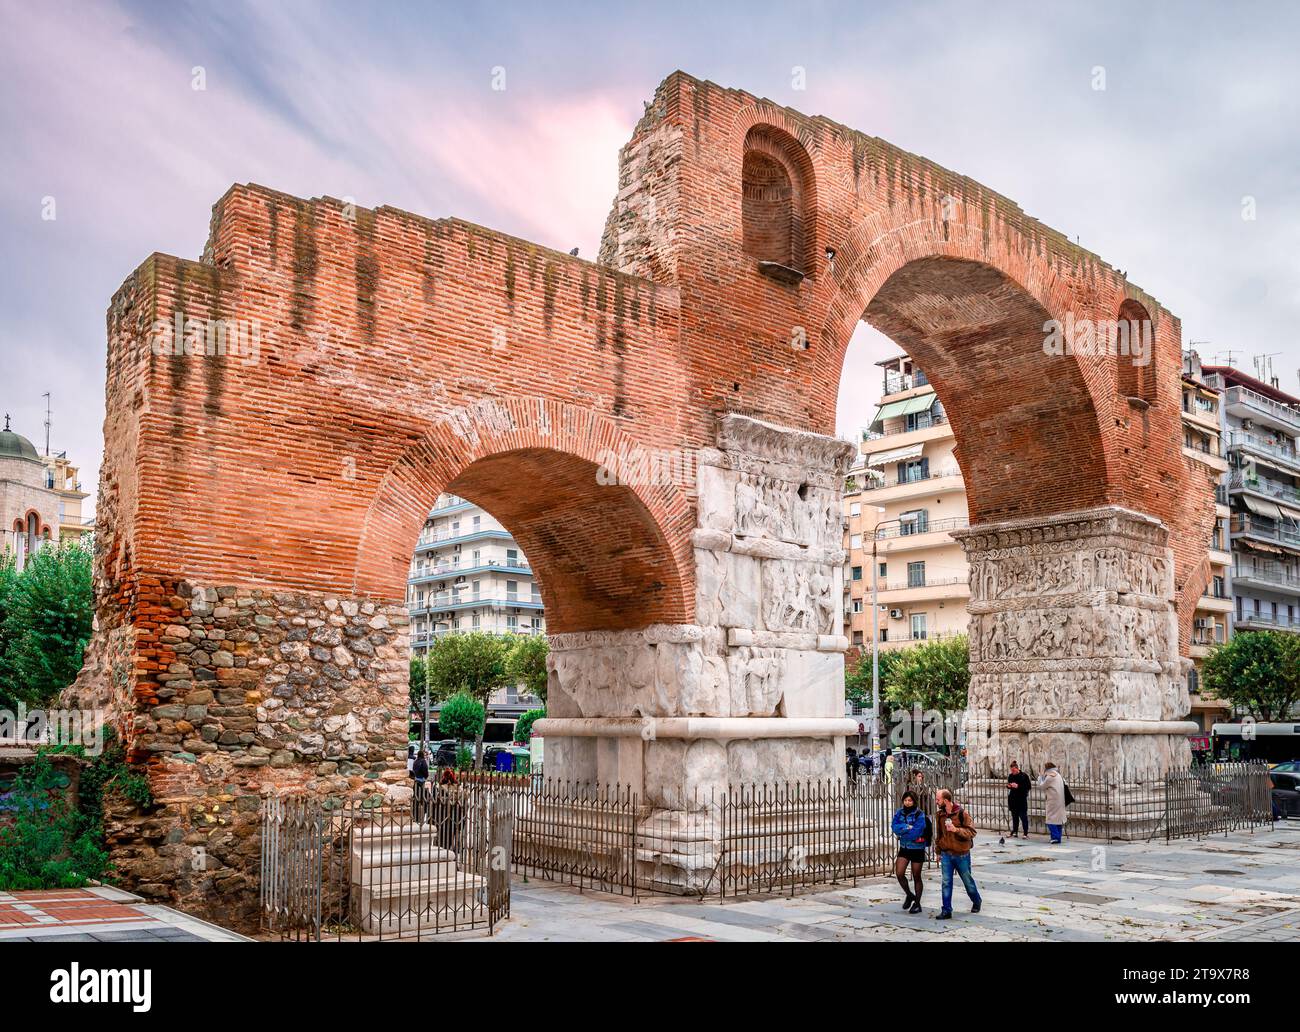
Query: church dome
(16, 446)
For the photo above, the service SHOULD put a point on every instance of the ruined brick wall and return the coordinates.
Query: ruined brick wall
(351, 364)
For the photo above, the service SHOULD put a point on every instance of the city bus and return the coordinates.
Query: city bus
(1273, 742)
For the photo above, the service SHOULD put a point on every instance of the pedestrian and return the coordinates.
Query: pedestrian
(889, 767)
(1055, 814)
(954, 836)
(420, 772)
(914, 830)
(1018, 799)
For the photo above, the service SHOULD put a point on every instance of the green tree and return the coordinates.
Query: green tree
(528, 664)
(48, 615)
(461, 717)
(857, 676)
(1258, 672)
(934, 676)
(8, 585)
(524, 725)
(475, 663)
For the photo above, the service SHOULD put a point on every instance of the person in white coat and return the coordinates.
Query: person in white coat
(1055, 814)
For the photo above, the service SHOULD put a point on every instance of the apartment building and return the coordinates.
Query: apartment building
(468, 574)
(62, 478)
(1203, 442)
(906, 495)
(902, 500)
(1262, 491)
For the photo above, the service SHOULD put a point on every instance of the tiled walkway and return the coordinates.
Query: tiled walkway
(98, 915)
(1239, 887)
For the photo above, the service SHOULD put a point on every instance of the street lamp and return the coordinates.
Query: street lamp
(875, 634)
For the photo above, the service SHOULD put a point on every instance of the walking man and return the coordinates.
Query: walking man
(1018, 799)
(1056, 816)
(954, 836)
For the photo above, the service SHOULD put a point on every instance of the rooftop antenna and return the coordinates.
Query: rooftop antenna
(46, 396)
(1264, 366)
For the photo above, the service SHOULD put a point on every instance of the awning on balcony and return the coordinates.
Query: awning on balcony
(1259, 546)
(906, 407)
(1289, 513)
(1262, 508)
(912, 451)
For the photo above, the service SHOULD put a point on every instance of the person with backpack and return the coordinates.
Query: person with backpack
(954, 836)
(915, 832)
(1057, 791)
(1018, 798)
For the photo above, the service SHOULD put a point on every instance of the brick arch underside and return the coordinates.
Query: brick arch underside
(1027, 428)
(607, 556)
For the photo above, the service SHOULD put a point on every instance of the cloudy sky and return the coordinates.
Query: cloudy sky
(393, 104)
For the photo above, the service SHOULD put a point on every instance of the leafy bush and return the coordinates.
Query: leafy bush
(45, 622)
(44, 842)
(461, 717)
(464, 758)
(524, 725)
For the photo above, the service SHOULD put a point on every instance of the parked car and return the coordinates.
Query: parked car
(1286, 767)
(444, 753)
(1286, 794)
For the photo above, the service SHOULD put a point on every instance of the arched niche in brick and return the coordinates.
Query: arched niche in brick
(1133, 347)
(778, 200)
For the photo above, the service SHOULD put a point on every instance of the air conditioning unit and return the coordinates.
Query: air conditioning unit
(1248, 424)
(1202, 623)
(896, 614)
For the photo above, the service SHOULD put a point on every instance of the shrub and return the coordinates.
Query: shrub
(524, 725)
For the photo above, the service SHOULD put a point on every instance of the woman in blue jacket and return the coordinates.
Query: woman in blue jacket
(912, 827)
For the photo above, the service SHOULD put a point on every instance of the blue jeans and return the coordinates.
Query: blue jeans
(1055, 831)
(959, 862)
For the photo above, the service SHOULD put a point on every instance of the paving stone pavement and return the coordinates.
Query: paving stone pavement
(1236, 887)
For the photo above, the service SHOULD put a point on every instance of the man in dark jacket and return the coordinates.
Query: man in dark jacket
(1018, 798)
(954, 835)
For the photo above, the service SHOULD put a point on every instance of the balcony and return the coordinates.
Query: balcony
(444, 570)
(1274, 450)
(469, 600)
(428, 541)
(904, 480)
(1242, 401)
(920, 424)
(1265, 530)
(919, 529)
(1239, 480)
(1268, 575)
(1267, 622)
(932, 588)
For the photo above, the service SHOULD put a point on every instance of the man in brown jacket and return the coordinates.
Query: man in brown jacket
(954, 835)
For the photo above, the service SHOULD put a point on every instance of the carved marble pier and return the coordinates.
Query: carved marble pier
(753, 691)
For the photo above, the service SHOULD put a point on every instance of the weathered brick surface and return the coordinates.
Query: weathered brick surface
(398, 356)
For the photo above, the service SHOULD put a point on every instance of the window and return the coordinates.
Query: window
(857, 573)
(857, 605)
(914, 470)
(884, 571)
(855, 541)
(857, 637)
(916, 575)
(512, 590)
(915, 522)
(855, 509)
(918, 625)
(512, 557)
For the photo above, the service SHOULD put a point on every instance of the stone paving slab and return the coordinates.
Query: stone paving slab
(99, 914)
(1033, 892)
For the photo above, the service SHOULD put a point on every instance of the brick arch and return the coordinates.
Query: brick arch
(611, 552)
(1028, 424)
